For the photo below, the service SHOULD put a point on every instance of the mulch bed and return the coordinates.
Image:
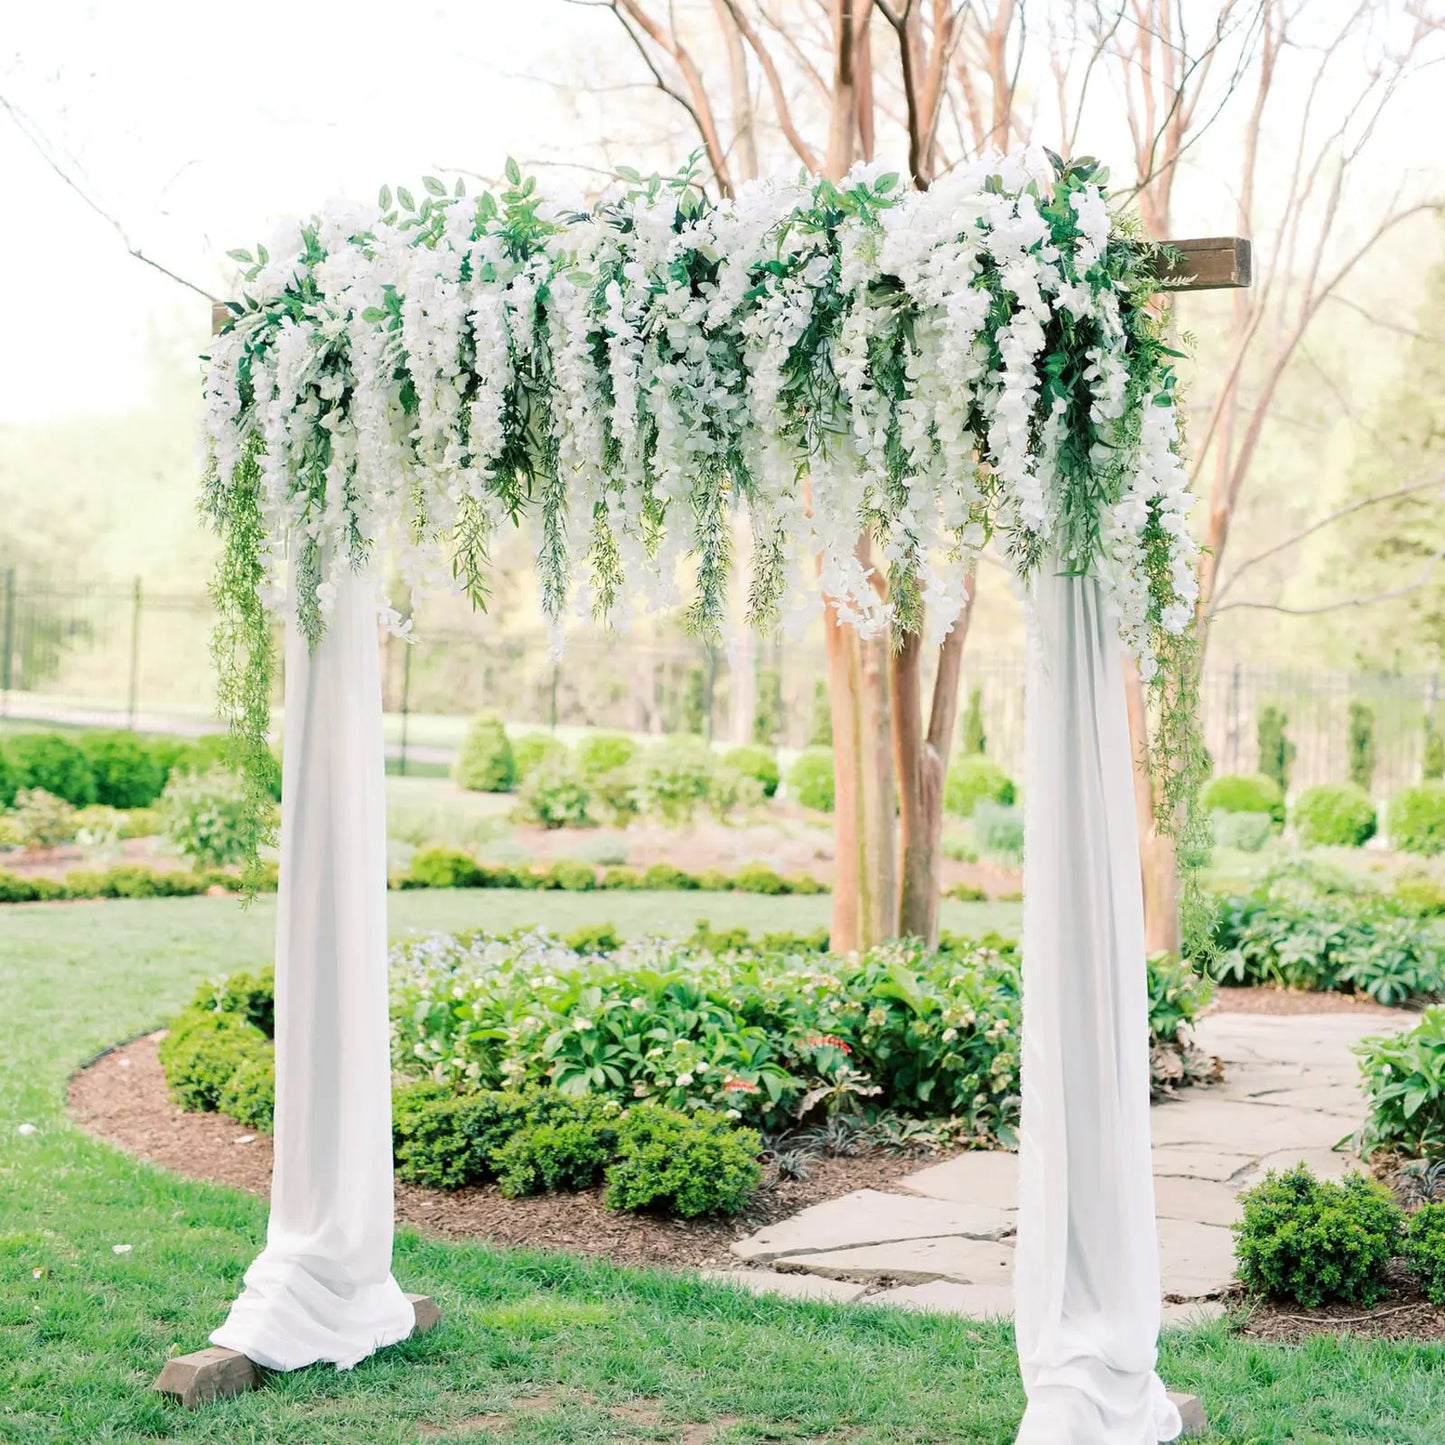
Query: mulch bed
(1405, 1315)
(1299, 1001)
(122, 1097)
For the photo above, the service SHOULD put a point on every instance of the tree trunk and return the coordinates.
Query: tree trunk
(1158, 867)
(921, 761)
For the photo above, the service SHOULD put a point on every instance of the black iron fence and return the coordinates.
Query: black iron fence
(138, 655)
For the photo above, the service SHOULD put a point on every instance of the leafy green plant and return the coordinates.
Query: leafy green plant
(729, 790)
(571, 1154)
(1420, 894)
(1424, 1250)
(1361, 740)
(617, 794)
(10, 779)
(127, 770)
(1244, 793)
(249, 1095)
(999, 831)
(759, 878)
(622, 877)
(531, 751)
(600, 753)
(44, 821)
(974, 740)
(1276, 751)
(440, 867)
(676, 775)
(1248, 832)
(54, 763)
(484, 762)
(974, 779)
(668, 877)
(810, 779)
(820, 723)
(554, 795)
(209, 817)
(1335, 815)
(758, 763)
(768, 713)
(203, 1051)
(1415, 819)
(1312, 1241)
(571, 875)
(1404, 1081)
(688, 1166)
(1432, 762)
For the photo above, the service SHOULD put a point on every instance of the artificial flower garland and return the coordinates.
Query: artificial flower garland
(928, 369)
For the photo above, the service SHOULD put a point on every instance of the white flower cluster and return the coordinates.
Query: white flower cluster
(880, 378)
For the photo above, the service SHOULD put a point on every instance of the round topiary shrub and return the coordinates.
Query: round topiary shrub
(1335, 815)
(1249, 832)
(685, 1165)
(442, 867)
(973, 780)
(555, 795)
(127, 772)
(1311, 1240)
(810, 779)
(531, 751)
(54, 763)
(759, 878)
(668, 878)
(484, 762)
(676, 776)
(1416, 819)
(600, 753)
(1244, 793)
(572, 875)
(757, 762)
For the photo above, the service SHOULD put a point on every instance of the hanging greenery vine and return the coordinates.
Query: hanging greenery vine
(980, 361)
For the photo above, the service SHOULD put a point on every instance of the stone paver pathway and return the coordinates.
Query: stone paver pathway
(942, 1238)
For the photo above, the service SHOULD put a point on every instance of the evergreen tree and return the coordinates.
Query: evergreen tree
(1362, 745)
(1276, 751)
(975, 739)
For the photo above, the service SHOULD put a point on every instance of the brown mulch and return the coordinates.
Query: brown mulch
(1297, 1001)
(1404, 1315)
(122, 1097)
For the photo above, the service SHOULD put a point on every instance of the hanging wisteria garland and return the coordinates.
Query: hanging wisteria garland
(930, 370)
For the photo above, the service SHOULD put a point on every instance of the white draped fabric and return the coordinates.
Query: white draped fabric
(322, 1287)
(1086, 1277)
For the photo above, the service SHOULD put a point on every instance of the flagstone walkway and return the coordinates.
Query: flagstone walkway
(942, 1238)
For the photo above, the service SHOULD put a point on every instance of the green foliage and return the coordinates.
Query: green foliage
(601, 753)
(1248, 832)
(572, 875)
(248, 995)
(973, 779)
(1276, 751)
(443, 1139)
(203, 1051)
(1304, 937)
(1314, 1241)
(440, 867)
(1418, 893)
(594, 938)
(768, 713)
(974, 741)
(555, 795)
(53, 762)
(1415, 819)
(210, 818)
(759, 878)
(810, 779)
(10, 780)
(531, 750)
(1244, 793)
(127, 770)
(999, 831)
(43, 820)
(621, 876)
(1335, 815)
(617, 794)
(676, 775)
(1424, 1250)
(668, 876)
(484, 762)
(757, 762)
(1432, 764)
(571, 1154)
(820, 727)
(688, 1166)
(1404, 1080)
(249, 1095)
(1361, 740)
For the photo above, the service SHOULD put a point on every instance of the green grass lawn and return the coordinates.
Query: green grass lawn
(83, 1329)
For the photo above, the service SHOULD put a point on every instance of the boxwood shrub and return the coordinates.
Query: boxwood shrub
(484, 762)
(1416, 819)
(54, 762)
(1244, 793)
(757, 762)
(600, 753)
(688, 1165)
(810, 779)
(128, 771)
(1335, 815)
(974, 779)
(1425, 1250)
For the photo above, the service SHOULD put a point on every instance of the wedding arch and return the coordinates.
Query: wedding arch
(934, 371)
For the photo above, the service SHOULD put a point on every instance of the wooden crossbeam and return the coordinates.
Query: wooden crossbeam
(1215, 263)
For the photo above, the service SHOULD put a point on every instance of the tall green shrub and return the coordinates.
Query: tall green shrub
(1276, 751)
(1362, 745)
(974, 739)
(484, 762)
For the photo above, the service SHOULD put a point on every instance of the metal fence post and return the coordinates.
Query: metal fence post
(7, 659)
(135, 609)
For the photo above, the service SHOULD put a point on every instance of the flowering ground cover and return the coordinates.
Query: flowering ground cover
(540, 1348)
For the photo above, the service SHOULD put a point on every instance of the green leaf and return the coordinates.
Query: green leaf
(245, 257)
(513, 172)
(886, 182)
(383, 201)
(405, 198)
(433, 185)
(373, 314)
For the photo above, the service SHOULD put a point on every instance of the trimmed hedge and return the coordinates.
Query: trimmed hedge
(974, 779)
(1335, 815)
(125, 880)
(127, 770)
(54, 762)
(484, 762)
(1415, 819)
(1244, 793)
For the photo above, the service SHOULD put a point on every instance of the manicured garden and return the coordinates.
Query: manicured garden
(598, 1352)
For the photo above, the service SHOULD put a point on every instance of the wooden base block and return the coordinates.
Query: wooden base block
(210, 1374)
(1191, 1411)
(217, 1373)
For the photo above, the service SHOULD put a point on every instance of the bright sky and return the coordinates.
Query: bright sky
(199, 126)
